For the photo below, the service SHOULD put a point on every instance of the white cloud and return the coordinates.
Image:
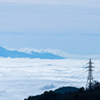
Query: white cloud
(60, 53)
(48, 86)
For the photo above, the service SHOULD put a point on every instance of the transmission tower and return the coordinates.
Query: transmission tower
(90, 76)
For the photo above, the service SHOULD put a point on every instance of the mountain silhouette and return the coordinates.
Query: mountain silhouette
(66, 89)
(16, 54)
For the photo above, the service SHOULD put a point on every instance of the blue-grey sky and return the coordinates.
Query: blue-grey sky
(69, 25)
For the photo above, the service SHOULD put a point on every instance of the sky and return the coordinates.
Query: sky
(72, 26)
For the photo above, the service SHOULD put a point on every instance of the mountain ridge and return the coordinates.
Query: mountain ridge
(16, 54)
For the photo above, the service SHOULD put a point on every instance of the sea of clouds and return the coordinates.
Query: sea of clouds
(22, 77)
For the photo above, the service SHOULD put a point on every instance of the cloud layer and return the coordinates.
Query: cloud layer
(20, 78)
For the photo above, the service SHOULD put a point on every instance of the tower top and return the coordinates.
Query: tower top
(90, 62)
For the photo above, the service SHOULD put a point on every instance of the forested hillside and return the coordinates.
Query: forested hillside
(79, 94)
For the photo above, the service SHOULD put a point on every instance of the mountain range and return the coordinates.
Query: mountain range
(16, 54)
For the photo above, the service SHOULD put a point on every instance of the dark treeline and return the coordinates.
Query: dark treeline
(80, 94)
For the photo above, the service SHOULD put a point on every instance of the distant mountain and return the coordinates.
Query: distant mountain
(66, 89)
(15, 54)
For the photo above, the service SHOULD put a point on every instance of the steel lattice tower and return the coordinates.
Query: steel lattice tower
(90, 76)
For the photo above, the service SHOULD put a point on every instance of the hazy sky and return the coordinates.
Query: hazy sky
(69, 25)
